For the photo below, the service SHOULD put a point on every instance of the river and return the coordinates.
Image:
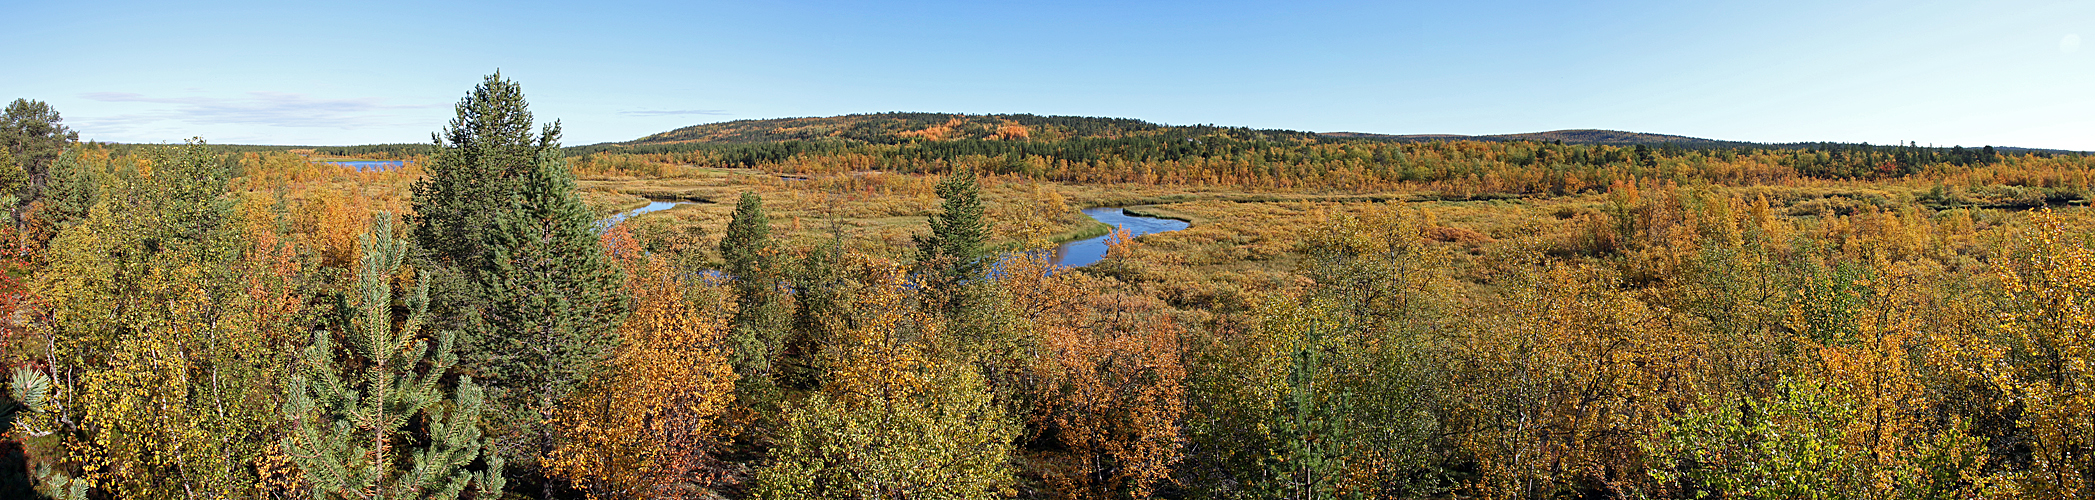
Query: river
(1082, 253)
(369, 165)
(1077, 253)
(652, 206)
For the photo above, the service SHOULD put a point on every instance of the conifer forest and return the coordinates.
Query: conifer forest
(870, 307)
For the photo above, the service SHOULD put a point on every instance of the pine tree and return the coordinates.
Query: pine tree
(516, 262)
(71, 188)
(554, 301)
(32, 133)
(349, 414)
(481, 157)
(748, 239)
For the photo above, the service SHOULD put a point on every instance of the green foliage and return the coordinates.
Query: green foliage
(1786, 447)
(33, 134)
(954, 251)
(554, 300)
(12, 178)
(821, 311)
(762, 317)
(72, 188)
(480, 160)
(351, 408)
(747, 244)
(35, 415)
(950, 442)
(515, 261)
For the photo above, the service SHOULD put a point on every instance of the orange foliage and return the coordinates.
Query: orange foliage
(1111, 389)
(645, 427)
(331, 220)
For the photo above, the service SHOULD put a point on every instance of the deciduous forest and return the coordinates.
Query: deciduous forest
(862, 307)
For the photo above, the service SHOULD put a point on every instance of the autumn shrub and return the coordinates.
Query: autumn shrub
(2039, 355)
(1110, 389)
(892, 420)
(646, 426)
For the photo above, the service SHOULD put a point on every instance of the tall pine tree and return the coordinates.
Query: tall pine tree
(34, 134)
(518, 263)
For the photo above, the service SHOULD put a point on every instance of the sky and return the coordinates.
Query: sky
(2006, 73)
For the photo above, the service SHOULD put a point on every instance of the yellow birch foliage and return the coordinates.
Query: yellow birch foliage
(2043, 355)
(893, 421)
(170, 323)
(645, 427)
(331, 220)
(1560, 379)
(1873, 358)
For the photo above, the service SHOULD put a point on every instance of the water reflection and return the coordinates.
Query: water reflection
(1082, 253)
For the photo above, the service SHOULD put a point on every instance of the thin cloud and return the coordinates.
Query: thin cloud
(678, 112)
(278, 109)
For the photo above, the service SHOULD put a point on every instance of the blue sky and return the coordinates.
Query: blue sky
(328, 73)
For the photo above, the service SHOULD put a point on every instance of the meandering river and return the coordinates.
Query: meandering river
(369, 165)
(652, 206)
(1082, 253)
(1077, 253)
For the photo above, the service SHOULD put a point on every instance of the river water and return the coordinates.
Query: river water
(1082, 253)
(652, 206)
(370, 165)
(1078, 253)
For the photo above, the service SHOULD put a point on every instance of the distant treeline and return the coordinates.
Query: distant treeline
(365, 150)
(1242, 158)
(1094, 150)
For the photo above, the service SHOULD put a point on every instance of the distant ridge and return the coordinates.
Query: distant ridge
(902, 127)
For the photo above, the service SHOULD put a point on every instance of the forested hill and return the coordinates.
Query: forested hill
(912, 128)
(898, 128)
(1580, 136)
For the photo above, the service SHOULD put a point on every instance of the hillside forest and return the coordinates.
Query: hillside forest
(860, 307)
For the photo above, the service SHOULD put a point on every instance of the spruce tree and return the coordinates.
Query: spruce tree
(761, 319)
(952, 266)
(522, 274)
(952, 261)
(350, 414)
(821, 309)
(954, 251)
